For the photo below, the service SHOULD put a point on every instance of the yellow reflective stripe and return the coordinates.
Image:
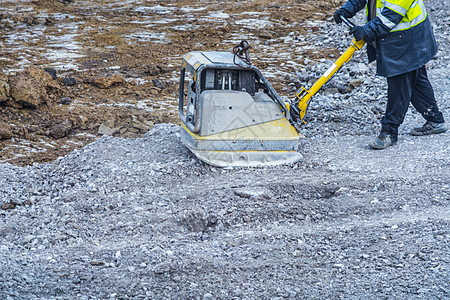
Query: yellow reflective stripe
(411, 17)
(397, 8)
(405, 24)
(386, 21)
(414, 11)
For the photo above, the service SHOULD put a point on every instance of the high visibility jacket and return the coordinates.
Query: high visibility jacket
(399, 35)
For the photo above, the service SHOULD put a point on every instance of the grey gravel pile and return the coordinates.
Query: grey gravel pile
(144, 219)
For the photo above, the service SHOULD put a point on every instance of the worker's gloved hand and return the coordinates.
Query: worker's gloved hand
(341, 12)
(359, 33)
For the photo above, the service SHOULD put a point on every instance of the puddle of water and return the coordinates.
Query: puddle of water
(62, 50)
(158, 9)
(15, 40)
(64, 66)
(167, 104)
(186, 27)
(146, 23)
(191, 9)
(149, 36)
(254, 23)
(65, 42)
(22, 148)
(218, 15)
(164, 21)
(62, 54)
(82, 134)
(123, 3)
(62, 16)
(315, 22)
(59, 49)
(254, 13)
(138, 81)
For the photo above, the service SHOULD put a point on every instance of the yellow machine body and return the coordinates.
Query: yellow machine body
(232, 117)
(234, 148)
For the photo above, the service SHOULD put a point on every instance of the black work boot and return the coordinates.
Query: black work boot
(382, 141)
(429, 128)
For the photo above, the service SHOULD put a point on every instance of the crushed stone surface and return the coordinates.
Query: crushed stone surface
(144, 219)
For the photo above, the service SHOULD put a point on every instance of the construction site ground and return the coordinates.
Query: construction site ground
(117, 62)
(101, 200)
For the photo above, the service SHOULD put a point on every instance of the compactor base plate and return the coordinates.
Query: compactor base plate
(268, 144)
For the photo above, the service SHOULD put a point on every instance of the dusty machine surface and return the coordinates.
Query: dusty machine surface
(231, 116)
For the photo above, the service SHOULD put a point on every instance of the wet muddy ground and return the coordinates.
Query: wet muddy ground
(116, 63)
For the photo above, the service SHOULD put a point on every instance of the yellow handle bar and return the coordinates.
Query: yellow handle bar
(304, 96)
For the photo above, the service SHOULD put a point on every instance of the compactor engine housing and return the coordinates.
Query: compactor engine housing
(231, 115)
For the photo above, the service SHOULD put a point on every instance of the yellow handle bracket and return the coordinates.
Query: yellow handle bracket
(304, 96)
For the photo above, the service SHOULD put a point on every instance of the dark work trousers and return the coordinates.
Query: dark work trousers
(409, 87)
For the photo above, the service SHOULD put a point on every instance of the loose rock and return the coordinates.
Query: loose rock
(26, 91)
(69, 81)
(5, 131)
(60, 129)
(106, 83)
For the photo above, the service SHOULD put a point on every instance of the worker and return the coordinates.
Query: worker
(399, 36)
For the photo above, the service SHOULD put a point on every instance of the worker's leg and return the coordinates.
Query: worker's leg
(399, 95)
(423, 98)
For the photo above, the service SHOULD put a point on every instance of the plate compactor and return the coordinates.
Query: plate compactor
(232, 117)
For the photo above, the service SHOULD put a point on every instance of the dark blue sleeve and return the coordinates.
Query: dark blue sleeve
(353, 6)
(382, 24)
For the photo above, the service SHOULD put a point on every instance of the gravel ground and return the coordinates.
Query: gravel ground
(142, 218)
